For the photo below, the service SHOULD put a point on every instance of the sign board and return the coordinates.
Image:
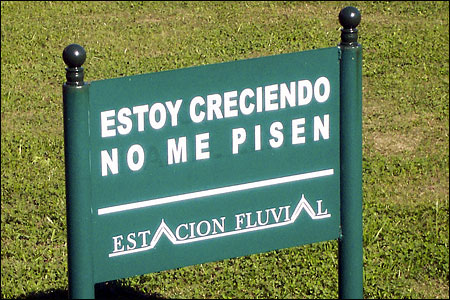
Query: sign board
(176, 168)
(211, 162)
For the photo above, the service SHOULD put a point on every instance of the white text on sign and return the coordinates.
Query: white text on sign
(212, 107)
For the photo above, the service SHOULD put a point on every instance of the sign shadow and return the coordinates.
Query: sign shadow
(107, 290)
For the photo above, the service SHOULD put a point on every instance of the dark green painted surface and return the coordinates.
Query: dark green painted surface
(78, 191)
(351, 239)
(351, 243)
(158, 179)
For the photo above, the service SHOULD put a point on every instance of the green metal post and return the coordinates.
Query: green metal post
(77, 164)
(351, 239)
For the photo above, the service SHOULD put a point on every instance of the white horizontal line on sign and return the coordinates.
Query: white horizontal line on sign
(213, 192)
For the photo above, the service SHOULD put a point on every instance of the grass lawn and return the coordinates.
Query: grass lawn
(405, 137)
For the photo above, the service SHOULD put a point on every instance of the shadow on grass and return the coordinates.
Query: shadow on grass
(108, 290)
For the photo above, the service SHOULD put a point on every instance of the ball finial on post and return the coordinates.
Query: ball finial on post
(349, 17)
(74, 56)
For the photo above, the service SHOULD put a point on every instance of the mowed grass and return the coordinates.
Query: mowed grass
(405, 137)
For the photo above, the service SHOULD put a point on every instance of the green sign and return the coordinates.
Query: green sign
(211, 162)
(176, 168)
